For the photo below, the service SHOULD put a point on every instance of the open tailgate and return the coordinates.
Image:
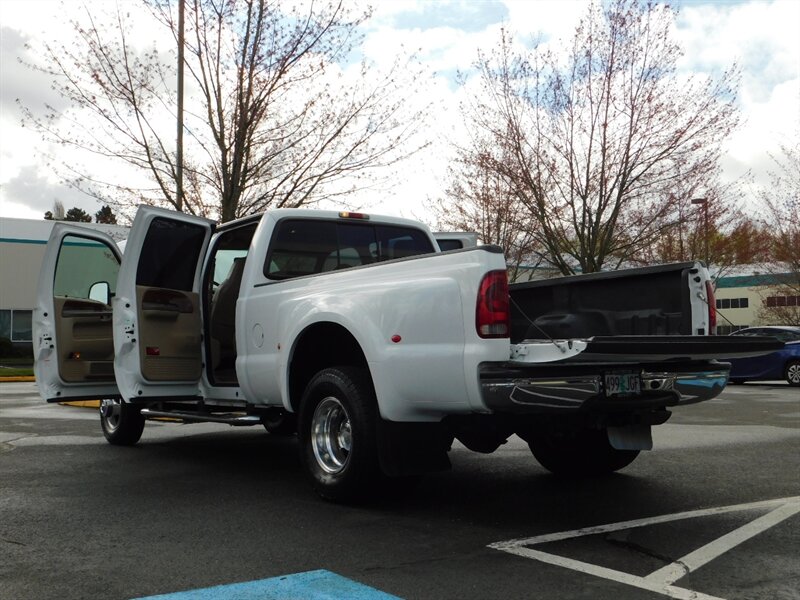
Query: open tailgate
(627, 349)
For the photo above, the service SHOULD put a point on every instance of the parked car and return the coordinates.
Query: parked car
(783, 364)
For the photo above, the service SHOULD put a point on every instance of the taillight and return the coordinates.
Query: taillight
(493, 311)
(712, 308)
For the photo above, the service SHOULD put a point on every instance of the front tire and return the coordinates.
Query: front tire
(792, 373)
(122, 423)
(579, 452)
(337, 429)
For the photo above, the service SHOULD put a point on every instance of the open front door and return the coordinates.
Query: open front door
(73, 347)
(157, 309)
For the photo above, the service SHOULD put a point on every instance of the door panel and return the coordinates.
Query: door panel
(169, 328)
(157, 312)
(86, 345)
(73, 341)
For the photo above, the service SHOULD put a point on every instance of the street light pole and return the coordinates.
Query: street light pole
(704, 202)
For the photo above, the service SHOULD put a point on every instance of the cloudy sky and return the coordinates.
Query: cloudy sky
(763, 36)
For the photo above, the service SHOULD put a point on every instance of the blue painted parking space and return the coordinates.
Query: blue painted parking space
(311, 585)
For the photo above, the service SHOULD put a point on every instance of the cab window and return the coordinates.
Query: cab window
(307, 247)
(82, 264)
(170, 254)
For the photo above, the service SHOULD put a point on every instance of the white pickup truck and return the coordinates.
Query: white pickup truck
(376, 348)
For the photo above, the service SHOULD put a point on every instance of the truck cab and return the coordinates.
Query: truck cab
(162, 321)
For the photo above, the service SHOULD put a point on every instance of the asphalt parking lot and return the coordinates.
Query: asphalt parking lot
(712, 512)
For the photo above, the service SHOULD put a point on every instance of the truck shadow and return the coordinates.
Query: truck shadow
(503, 493)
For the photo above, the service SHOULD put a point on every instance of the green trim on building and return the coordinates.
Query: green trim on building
(754, 280)
(21, 241)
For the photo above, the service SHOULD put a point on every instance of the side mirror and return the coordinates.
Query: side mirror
(100, 292)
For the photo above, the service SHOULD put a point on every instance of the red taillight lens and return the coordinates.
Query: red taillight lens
(493, 311)
(712, 309)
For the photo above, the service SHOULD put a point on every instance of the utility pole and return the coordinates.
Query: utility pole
(179, 158)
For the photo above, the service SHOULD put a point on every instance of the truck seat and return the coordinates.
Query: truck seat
(223, 311)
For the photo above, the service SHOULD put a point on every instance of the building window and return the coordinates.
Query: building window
(5, 324)
(15, 325)
(773, 301)
(733, 303)
(21, 326)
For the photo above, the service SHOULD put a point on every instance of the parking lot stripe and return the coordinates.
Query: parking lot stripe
(709, 552)
(311, 585)
(565, 535)
(611, 574)
(661, 580)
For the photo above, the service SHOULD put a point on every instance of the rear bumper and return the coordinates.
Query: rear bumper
(573, 388)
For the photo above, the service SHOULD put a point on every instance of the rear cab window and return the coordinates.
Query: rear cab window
(310, 246)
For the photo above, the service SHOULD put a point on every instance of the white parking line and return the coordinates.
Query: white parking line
(695, 560)
(661, 580)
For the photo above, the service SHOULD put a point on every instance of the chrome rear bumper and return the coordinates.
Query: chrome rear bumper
(572, 392)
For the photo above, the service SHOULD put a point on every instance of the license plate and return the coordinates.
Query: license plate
(622, 384)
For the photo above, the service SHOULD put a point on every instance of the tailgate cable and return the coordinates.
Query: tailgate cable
(704, 300)
(562, 347)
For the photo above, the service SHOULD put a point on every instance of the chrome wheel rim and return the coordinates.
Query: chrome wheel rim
(793, 373)
(331, 435)
(111, 413)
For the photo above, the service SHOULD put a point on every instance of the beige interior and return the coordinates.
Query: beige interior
(223, 320)
(84, 338)
(169, 334)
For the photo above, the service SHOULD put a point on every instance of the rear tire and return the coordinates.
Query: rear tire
(122, 423)
(337, 429)
(792, 373)
(578, 452)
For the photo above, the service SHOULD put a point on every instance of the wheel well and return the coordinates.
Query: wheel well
(321, 346)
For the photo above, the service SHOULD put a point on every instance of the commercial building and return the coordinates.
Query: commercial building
(22, 244)
(745, 298)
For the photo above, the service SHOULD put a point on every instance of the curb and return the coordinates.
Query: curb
(78, 403)
(82, 403)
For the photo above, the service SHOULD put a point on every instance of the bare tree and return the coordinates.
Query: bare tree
(276, 112)
(480, 200)
(782, 202)
(730, 236)
(604, 142)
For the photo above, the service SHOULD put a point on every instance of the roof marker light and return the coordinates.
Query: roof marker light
(353, 215)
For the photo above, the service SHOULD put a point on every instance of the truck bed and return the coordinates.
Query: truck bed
(652, 301)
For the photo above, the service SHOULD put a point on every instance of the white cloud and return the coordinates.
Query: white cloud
(762, 38)
(554, 20)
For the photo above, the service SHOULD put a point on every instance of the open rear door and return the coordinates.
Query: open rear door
(157, 309)
(72, 333)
